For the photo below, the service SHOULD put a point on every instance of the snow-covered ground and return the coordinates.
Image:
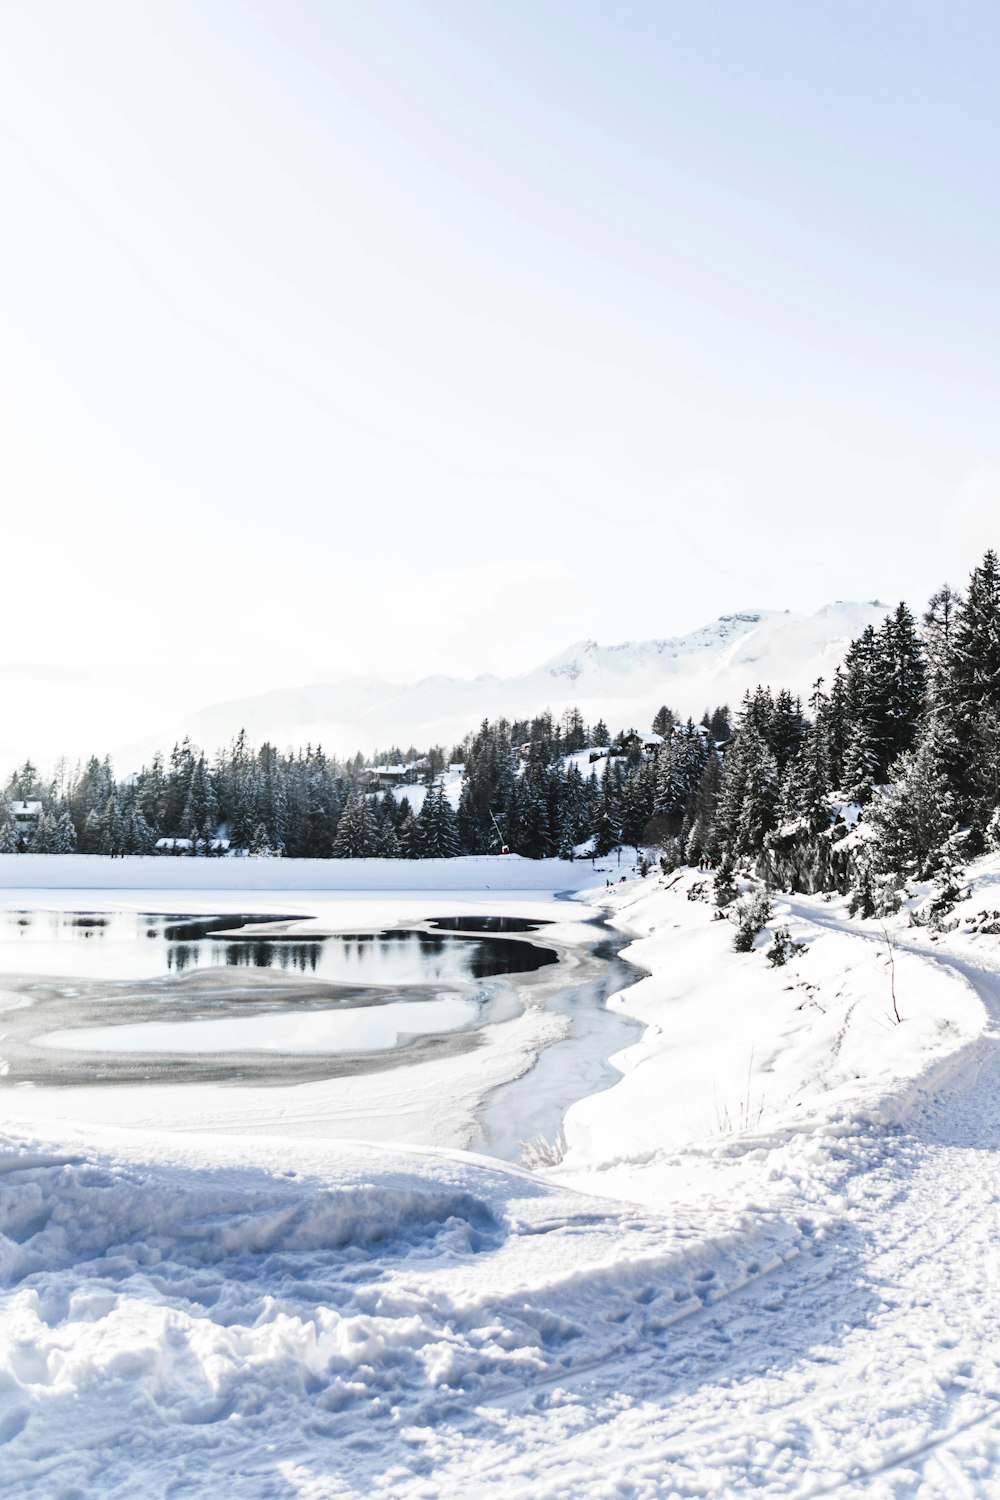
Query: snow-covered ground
(762, 1266)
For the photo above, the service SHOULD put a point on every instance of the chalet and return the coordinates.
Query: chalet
(392, 775)
(649, 744)
(25, 816)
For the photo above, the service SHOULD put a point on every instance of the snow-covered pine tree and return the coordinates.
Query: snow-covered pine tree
(899, 687)
(974, 690)
(8, 830)
(43, 838)
(438, 825)
(702, 845)
(387, 842)
(607, 824)
(665, 721)
(139, 837)
(112, 828)
(813, 786)
(409, 837)
(751, 788)
(912, 822)
(637, 801)
(834, 717)
(786, 729)
(938, 625)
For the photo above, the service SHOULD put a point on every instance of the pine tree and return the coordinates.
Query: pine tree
(751, 788)
(260, 842)
(702, 846)
(938, 634)
(43, 838)
(357, 833)
(976, 650)
(665, 722)
(8, 829)
(386, 843)
(487, 788)
(409, 838)
(637, 801)
(863, 745)
(812, 780)
(139, 837)
(974, 689)
(860, 765)
(112, 828)
(438, 825)
(90, 834)
(786, 730)
(896, 690)
(24, 784)
(834, 718)
(679, 768)
(607, 828)
(911, 824)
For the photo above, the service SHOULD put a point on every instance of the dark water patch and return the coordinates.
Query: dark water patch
(197, 929)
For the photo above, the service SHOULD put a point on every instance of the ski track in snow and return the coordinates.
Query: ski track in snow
(395, 1324)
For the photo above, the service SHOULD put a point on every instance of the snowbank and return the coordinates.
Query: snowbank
(736, 1047)
(185, 1321)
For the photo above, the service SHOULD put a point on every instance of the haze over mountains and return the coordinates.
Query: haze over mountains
(624, 684)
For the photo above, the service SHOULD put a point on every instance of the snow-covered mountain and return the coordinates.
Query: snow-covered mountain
(624, 684)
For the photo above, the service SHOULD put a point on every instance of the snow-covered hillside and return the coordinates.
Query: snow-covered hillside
(624, 684)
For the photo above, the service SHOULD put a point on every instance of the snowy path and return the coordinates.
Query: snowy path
(868, 1364)
(823, 1319)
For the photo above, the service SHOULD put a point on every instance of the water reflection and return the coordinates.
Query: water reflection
(269, 955)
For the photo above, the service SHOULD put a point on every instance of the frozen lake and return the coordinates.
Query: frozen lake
(272, 1000)
(148, 945)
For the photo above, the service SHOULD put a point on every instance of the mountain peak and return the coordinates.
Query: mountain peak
(626, 682)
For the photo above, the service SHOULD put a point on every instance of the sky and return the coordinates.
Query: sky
(389, 338)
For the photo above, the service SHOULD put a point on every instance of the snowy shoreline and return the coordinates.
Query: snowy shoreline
(309, 1316)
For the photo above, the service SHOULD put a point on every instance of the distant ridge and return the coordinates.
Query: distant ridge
(624, 684)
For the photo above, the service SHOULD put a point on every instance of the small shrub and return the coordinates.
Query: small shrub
(783, 948)
(698, 891)
(874, 895)
(751, 917)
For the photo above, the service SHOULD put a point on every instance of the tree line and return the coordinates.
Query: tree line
(521, 787)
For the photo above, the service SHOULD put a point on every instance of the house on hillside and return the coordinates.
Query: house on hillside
(25, 816)
(377, 776)
(649, 744)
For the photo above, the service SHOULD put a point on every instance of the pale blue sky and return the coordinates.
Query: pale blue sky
(403, 337)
